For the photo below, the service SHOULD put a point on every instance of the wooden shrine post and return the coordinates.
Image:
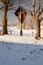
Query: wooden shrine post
(21, 15)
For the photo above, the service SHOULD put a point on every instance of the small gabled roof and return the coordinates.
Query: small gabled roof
(18, 10)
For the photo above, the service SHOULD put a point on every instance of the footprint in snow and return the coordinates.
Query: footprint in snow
(23, 58)
(41, 49)
(31, 52)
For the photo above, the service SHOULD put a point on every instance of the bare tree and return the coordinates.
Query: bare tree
(36, 15)
(5, 6)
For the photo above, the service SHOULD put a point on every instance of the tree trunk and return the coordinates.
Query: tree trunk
(4, 22)
(37, 29)
(21, 29)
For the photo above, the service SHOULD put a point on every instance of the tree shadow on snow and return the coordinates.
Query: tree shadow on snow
(31, 48)
(21, 51)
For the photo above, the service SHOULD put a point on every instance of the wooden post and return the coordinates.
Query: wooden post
(21, 14)
(21, 29)
(19, 18)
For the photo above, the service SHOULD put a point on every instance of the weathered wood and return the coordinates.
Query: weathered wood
(21, 15)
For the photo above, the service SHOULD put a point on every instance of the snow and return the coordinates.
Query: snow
(21, 50)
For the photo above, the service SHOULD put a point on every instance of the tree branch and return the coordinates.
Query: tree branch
(30, 12)
(1, 8)
(40, 13)
(10, 8)
(38, 10)
(41, 19)
(3, 1)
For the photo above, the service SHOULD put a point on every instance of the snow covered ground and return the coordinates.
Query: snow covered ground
(17, 50)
